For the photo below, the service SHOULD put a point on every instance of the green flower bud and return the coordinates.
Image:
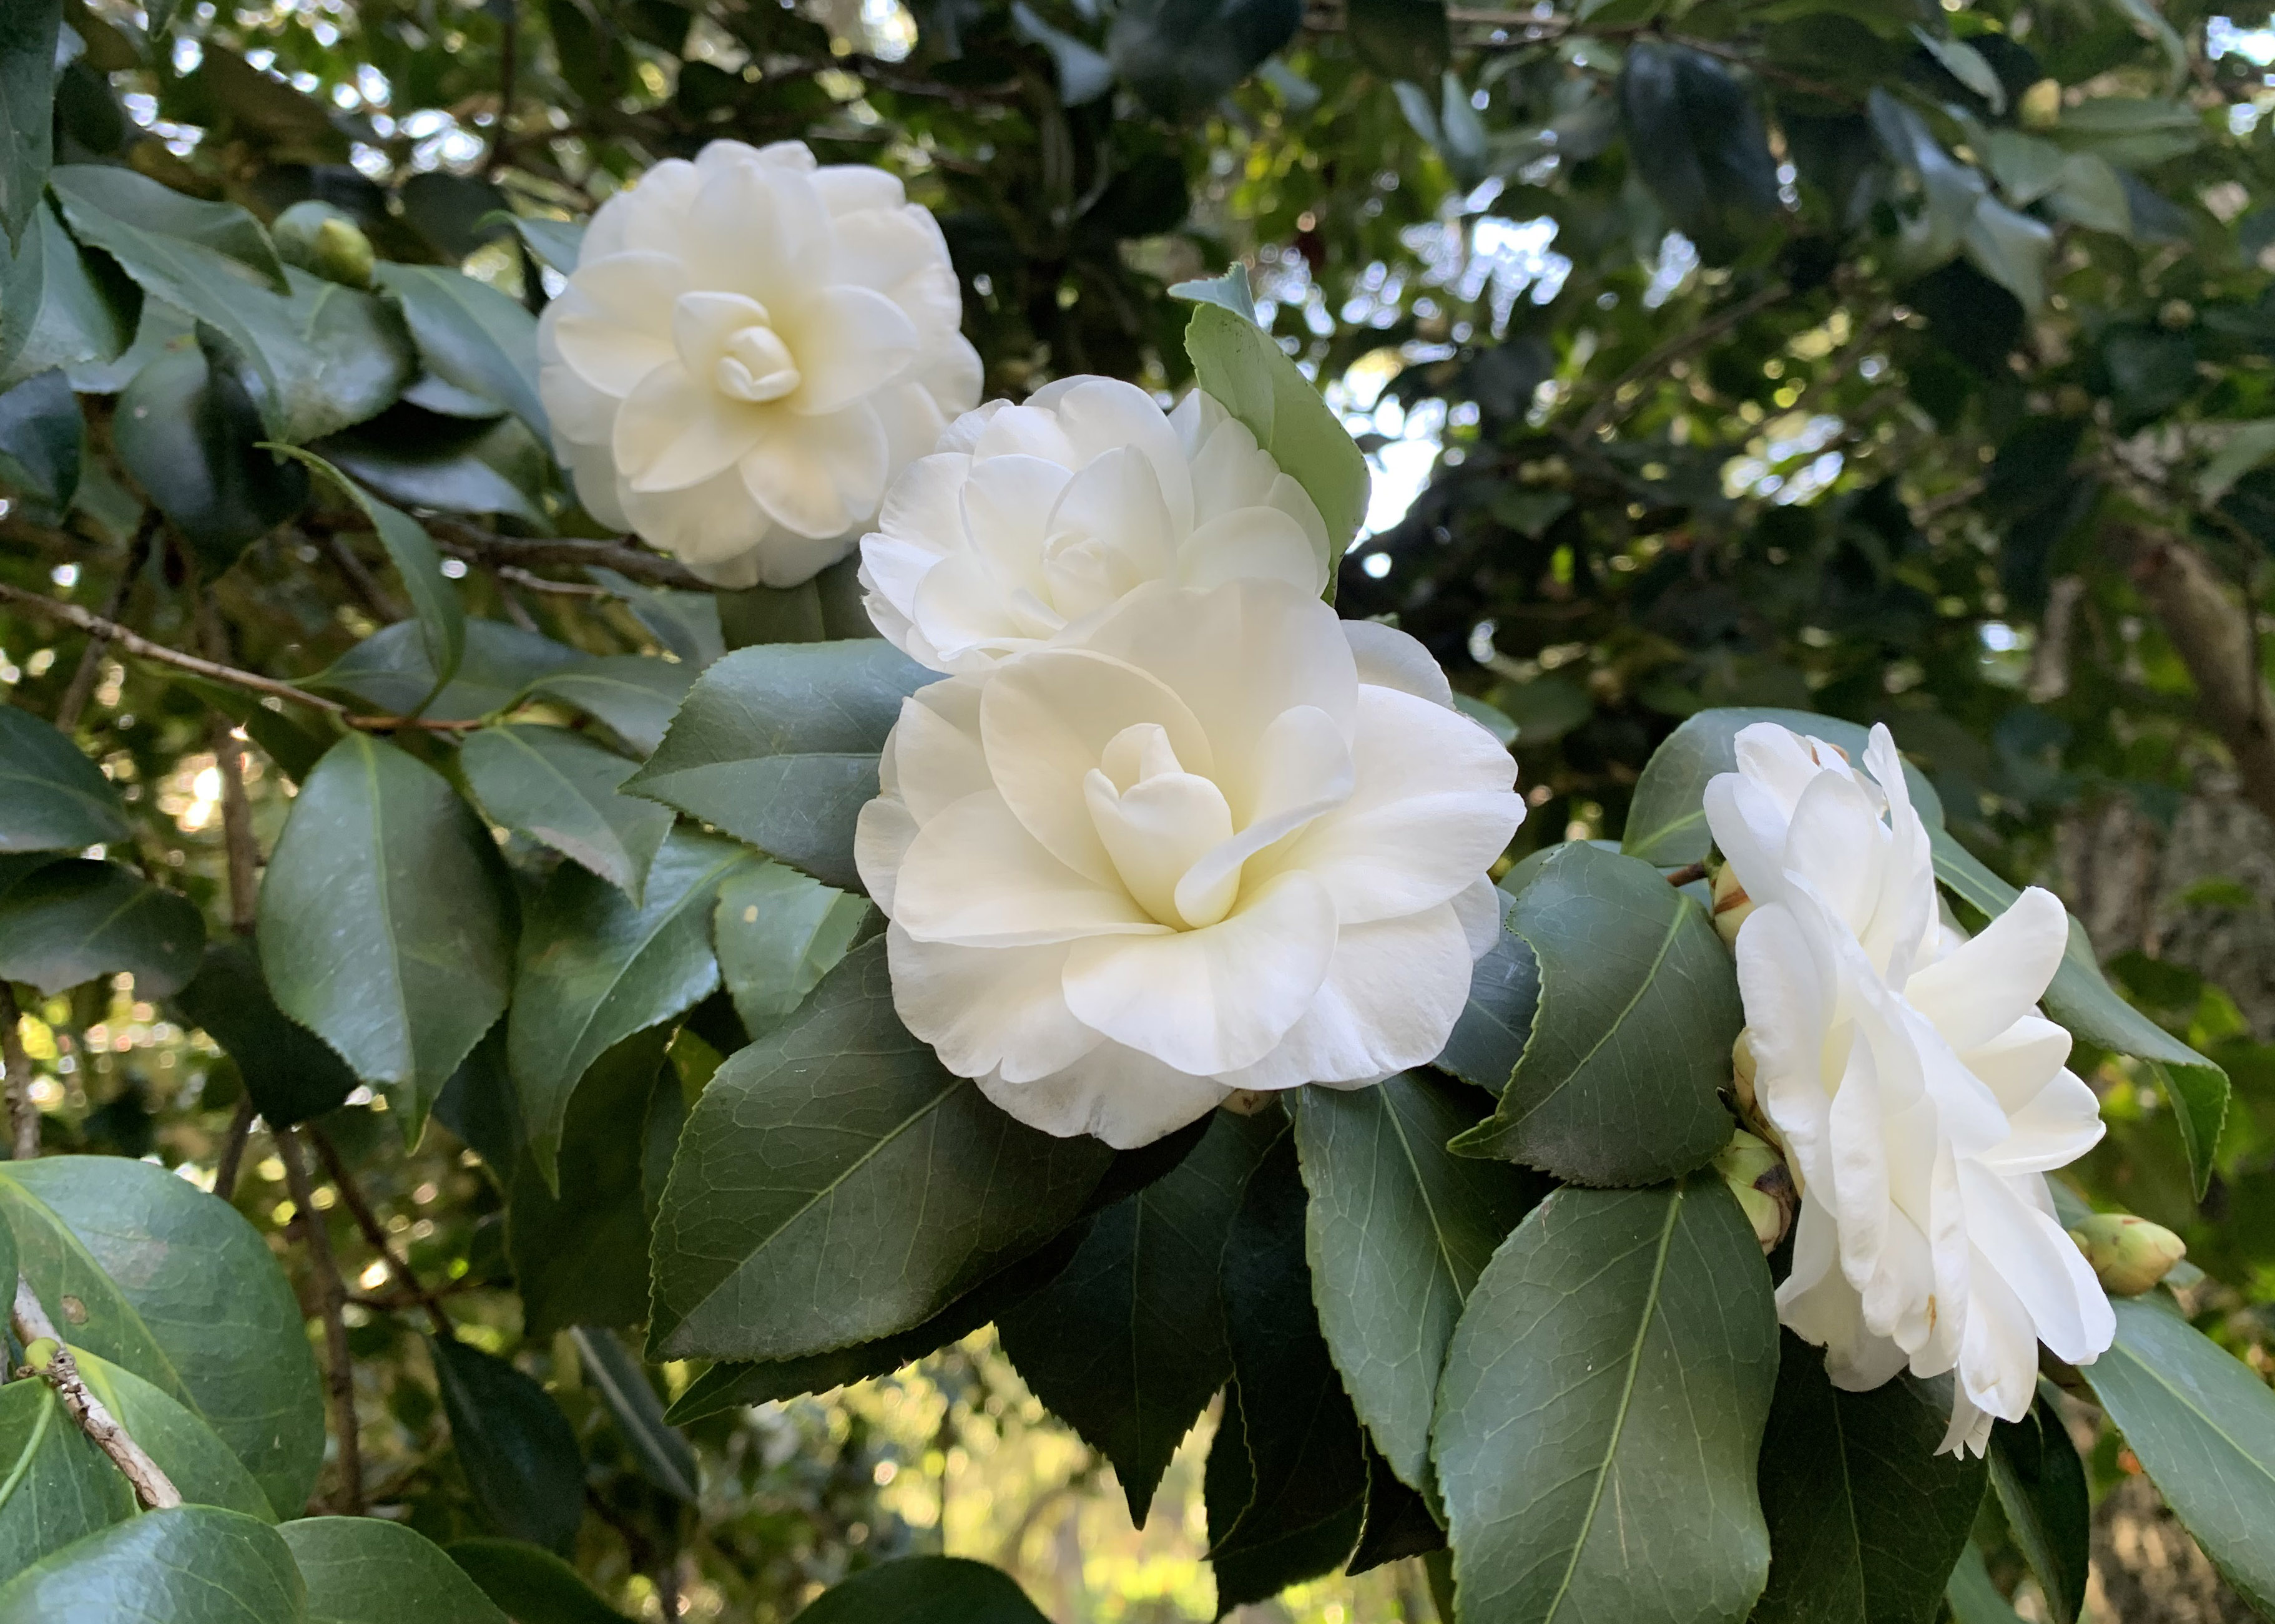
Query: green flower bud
(324, 242)
(40, 1352)
(1750, 1106)
(2129, 1254)
(1732, 905)
(1756, 1175)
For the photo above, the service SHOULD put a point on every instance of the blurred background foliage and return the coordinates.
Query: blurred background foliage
(1909, 362)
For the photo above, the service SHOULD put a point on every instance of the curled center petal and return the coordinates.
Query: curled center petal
(1155, 820)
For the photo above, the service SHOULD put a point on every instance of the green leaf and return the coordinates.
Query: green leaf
(1865, 1519)
(1127, 1345)
(686, 623)
(2012, 249)
(1966, 65)
(291, 1074)
(537, 1585)
(52, 798)
(635, 695)
(1398, 1230)
(472, 336)
(41, 433)
(1602, 1409)
(1180, 55)
(1083, 74)
(1249, 375)
(665, 1459)
(73, 920)
(1305, 1458)
(926, 1589)
(190, 1565)
(556, 242)
(2081, 998)
(60, 307)
(390, 670)
(580, 1251)
(185, 1448)
(1620, 1084)
(140, 1268)
(367, 1570)
(2041, 1485)
(386, 921)
(27, 82)
(55, 1486)
(777, 933)
(1496, 1023)
(516, 1448)
(595, 968)
(1230, 291)
(417, 459)
(126, 194)
(2203, 1426)
(835, 1184)
(1695, 136)
(189, 430)
(441, 619)
(1398, 1524)
(1401, 39)
(1973, 1598)
(559, 788)
(777, 745)
(1667, 819)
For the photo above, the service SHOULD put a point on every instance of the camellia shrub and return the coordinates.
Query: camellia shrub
(847, 847)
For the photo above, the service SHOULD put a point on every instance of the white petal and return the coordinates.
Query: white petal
(575, 410)
(852, 188)
(818, 476)
(758, 228)
(898, 252)
(1211, 1000)
(1788, 990)
(1100, 415)
(1990, 982)
(933, 758)
(848, 342)
(614, 325)
(2053, 1128)
(1482, 906)
(987, 1009)
(1003, 510)
(1392, 994)
(707, 523)
(1388, 658)
(881, 837)
(1112, 1093)
(1258, 543)
(1999, 1361)
(2067, 1308)
(675, 431)
(973, 876)
(912, 420)
(1303, 771)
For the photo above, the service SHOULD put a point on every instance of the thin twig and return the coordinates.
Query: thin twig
(360, 580)
(22, 1113)
(339, 1377)
(152, 1486)
(375, 1233)
(538, 583)
(469, 541)
(1685, 342)
(1687, 873)
(232, 1148)
(90, 658)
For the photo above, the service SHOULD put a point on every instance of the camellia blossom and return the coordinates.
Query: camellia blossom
(1921, 1097)
(1033, 519)
(750, 348)
(1224, 840)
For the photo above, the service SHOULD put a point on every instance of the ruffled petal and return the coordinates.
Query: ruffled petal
(1388, 658)
(1112, 1093)
(973, 875)
(848, 342)
(818, 476)
(675, 431)
(1988, 984)
(987, 1009)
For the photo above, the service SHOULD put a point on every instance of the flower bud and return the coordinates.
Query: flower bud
(40, 1353)
(1757, 1121)
(1732, 905)
(1756, 1175)
(324, 242)
(2129, 1254)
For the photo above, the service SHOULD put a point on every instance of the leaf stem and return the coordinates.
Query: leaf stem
(152, 1486)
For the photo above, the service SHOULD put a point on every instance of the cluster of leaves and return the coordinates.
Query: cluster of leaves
(553, 845)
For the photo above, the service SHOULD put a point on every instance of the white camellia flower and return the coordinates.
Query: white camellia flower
(1225, 840)
(1921, 1096)
(1032, 519)
(750, 348)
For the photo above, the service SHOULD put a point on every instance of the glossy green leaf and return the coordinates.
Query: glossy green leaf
(52, 798)
(59, 306)
(291, 1074)
(1865, 1519)
(190, 1565)
(386, 921)
(666, 1458)
(1630, 1046)
(777, 745)
(684, 623)
(390, 672)
(1127, 1344)
(472, 336)
(2041, 1485)
(1252, 377)
(74, 919)
(777, 933)
(556, 242)
(516, 1448)
(55, 1486)
(2203, 1425)
(594, 969)
(1496, 1023)
(185, 1448)
(1398, 1521)
(1180, 55)
(1972, 1596)
(926, 1589)
(419, 459)
(1602, 1410)
(142, 1269)
(1303, 1500)
(1695, 138)
(2081, 998)
(1667, 820)
(560, 789)
(580, 1251)
(367, 1570)
(1399, 1229)
(537, 1585)
(42, 433)
(28, 78)
(835, 1184)
(127, 194)
(635, 695)
(189, 430)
